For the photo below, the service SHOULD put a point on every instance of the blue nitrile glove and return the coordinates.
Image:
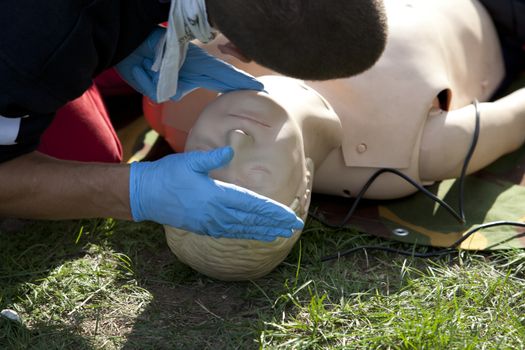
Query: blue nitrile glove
(198, 70)
(177, 191)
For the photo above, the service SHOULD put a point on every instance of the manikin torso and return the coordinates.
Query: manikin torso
(440, 55)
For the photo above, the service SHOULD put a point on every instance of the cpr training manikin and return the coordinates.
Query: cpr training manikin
(412, 112)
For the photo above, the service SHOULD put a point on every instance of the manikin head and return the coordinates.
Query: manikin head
(266, 131)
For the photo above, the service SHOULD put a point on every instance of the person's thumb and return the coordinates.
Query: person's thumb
(204, 162)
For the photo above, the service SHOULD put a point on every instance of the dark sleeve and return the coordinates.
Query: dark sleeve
(51, 50)
(508, 16)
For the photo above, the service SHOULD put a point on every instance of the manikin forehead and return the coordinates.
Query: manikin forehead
(258, 107)
(255, 113)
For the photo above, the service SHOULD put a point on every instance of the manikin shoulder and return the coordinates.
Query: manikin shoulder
(445, 48)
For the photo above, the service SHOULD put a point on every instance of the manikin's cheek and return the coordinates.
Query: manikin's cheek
(230, 175)
(256, 179)
(279, 186)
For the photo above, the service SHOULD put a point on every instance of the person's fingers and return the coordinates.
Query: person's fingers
(144, 81)
(199, 62)
(198, 80)
(250, 202)
(205, 161)
(234, 216)
(242, 231)
(226, 77)
(154, 37)
(261, 238)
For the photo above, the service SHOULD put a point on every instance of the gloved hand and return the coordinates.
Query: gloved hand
(177, 191)
(198, 70)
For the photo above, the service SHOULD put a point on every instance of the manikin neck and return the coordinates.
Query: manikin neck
(320, 126)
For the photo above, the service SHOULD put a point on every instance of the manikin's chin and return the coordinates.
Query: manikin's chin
(237, 259)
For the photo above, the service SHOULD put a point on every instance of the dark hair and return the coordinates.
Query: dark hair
(305, 39)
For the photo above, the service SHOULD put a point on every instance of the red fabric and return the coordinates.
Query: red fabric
(110, 84)
(82, 129)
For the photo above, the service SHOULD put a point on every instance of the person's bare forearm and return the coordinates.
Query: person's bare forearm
(40, 187)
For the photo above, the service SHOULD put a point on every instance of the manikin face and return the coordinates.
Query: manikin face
(268, 147)
(269, 159)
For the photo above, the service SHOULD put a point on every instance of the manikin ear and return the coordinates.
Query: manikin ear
(232, 50)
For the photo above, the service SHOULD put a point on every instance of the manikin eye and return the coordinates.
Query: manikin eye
(239, 131)
(239, 140)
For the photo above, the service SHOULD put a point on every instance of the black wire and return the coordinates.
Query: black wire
(458, 216)
(422, 189)
(468, 157)
(486, 225)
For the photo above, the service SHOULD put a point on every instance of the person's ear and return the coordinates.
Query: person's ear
(230, 49)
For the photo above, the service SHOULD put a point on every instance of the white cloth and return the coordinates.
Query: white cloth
(9, 128)
(188, 20)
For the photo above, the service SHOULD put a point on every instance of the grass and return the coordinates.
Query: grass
(105, 284)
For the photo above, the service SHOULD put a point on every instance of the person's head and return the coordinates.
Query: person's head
(306, 39)
(269, 159)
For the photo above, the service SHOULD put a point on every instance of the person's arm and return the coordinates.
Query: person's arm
(175, 190)
(41, 187)
(448, 135)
